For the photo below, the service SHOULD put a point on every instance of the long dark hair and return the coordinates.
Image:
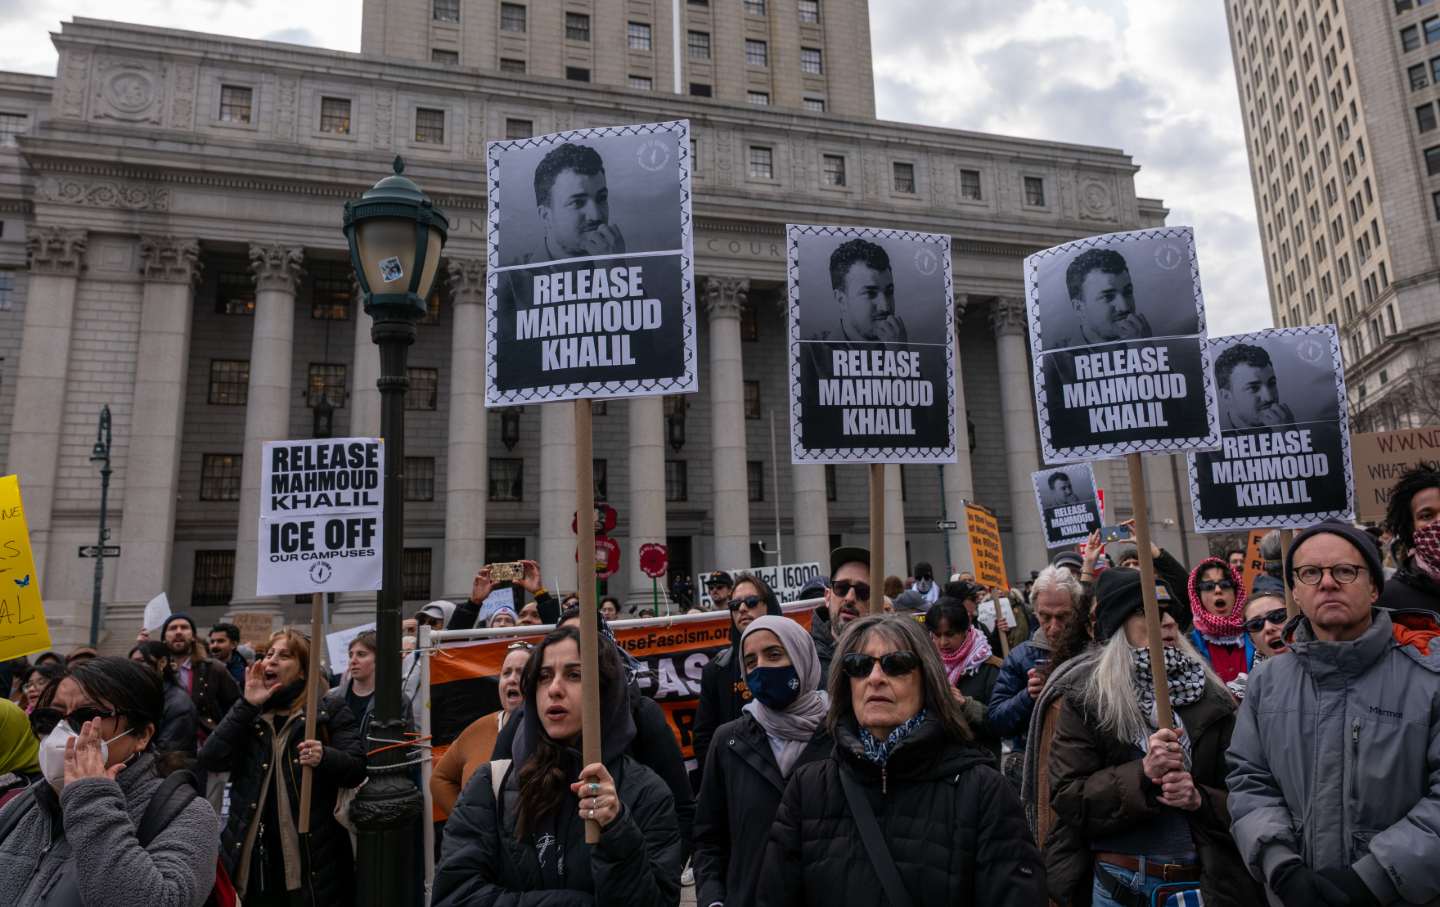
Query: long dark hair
(543, 779)
(950, 610)
(157, 655)
(134, 690)
(1398, 516)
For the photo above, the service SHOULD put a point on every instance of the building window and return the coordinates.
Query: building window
(757, 53)
(445, 10)
(577, 27)
(1435, 69)
(755, 479)
(749, 323)
(512, 65)
(507, 479)
(699, 89)
(1410, 37)
(11, 125)
(415, 574)
(638, 34)
(758, 98)
(235, 103)
(1419, 76)
(752, 399)
(1432, 30)
(762, 162)
(809, 11)
(7, 292)
(815, 105)
(429, 126)
(600, 478)
(229, 382)
(331, 294)
(1435, 202)
(235, 293)
(698, 43)
(419, 478)
(424, 390)
(832, 166)
(832, 487)
(1035, 191)
(1403, 6)
(810, 60)
(516, 128)
(445, 57)
(754, 7)
(220, 477)
(677, 481)
(641, 83)
(214, 580)
(335, 115)
(1425, 117)
(512, 17)
(904, 177)
(326, 379)
(970, 185)
(1432, 160)
(577, 74)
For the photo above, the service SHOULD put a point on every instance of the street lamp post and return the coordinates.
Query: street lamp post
(395, 236)
(100, 453)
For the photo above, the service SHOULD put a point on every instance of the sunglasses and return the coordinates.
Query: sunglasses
(842, 589)
(1256, 624)
(896, 664)
(43, 721)
(1210, 585)
(749, 601)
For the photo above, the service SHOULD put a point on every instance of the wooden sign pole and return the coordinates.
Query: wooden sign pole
(585, 580)
(1141, 505)
(877, 538)
(312, 700)
(1291, 608)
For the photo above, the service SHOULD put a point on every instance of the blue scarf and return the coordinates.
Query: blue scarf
(879, 752)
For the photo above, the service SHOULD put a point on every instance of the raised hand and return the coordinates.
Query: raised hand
(257, 690)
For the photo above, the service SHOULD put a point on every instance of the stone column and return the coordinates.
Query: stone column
(467, 459)
(730, 499)
(810, 510)
(277, 269)
(1026, 550)
(56, 259)
(894, 528)
(958, 478)
(647, 493)
(171, 267)
(557, 496)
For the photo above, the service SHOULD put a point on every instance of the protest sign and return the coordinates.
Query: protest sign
(157, 610)
(337, 646)
(785, 581)
(256, 628)
(987, 554)
(872, 368)
(1284, 459)
(23, 629)
(1381, 457)
(320, 509)
(985, 612)
(590, 290)
(1069, 505)
(1117, 332)
(1254, 563)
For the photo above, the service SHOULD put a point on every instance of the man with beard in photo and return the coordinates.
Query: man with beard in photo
(1103, 297)
(864, 287)
(1249, 393)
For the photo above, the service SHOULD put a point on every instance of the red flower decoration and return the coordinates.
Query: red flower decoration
(654, 559)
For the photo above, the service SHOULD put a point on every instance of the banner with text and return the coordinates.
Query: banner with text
(1381, 458)
(1284, 460)
(785, 580)
(987, 553)
(23, 629)
(1117, 333)
(590, 292)
(872, 362)
(1069, 506)
(320, 516)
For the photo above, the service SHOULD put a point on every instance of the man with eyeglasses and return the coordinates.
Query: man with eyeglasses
(1335, 759)
(1217, 604)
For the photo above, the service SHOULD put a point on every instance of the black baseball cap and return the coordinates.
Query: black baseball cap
(848, 555)
(719, 578)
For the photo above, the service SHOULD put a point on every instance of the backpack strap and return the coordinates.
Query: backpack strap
(874, 841)
(176, 792)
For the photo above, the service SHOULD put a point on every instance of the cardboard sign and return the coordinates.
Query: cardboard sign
(1069, 505)
(872, 368)
(1284, 459)
(591, 266)
(1117, 332)
(785, 581)
(1381, 458)
(987, 554)
(320, 516)
(1254, 563)
(255, 628)
(23, 629)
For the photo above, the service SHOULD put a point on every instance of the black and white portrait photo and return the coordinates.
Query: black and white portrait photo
(872, 365)
(591, 274)
(1068, 502)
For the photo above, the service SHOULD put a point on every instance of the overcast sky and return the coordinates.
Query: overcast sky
(1151, 78)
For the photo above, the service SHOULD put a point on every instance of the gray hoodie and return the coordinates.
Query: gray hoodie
(1335, 758)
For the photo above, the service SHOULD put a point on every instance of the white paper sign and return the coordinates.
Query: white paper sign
(320, 516)
(337, 645)
(156, 611)
(986, 613)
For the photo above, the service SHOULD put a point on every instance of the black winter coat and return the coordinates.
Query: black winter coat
(213, 691)
(956, 830)
(241, 745)
(636, 864)
(723, 694)
(178, 722)
(739, 795)
(1410, 590)
(976, 688)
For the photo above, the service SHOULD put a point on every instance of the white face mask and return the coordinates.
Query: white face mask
(52, 752)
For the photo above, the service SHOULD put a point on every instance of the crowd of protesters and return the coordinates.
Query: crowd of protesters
(963, 745)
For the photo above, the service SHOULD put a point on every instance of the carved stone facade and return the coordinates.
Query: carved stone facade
(56, 250)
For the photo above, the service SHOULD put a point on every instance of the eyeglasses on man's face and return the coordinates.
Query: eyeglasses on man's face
(1344, 574)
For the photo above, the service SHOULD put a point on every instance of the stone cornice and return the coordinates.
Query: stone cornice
(276, 267)
(56, 250)
(170, 259)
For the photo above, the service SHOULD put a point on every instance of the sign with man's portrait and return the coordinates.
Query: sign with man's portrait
(1069, 505)
(1284, 459)
(872, 365)
(1117, 333)
(590, 290)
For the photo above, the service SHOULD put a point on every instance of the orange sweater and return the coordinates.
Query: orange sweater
(470, 750)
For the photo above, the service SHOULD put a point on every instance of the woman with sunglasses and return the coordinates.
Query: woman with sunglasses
(260, 743)
(517, 833)
(905, 804)
(1217, 604)
(75, 839)
(1265, 618)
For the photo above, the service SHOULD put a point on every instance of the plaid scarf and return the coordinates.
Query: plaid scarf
(1184, 677)
(878, 751)
(1427, 550)
(1225, 629)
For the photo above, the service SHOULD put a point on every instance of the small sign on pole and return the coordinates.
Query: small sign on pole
(987, 553)
(1069, 506)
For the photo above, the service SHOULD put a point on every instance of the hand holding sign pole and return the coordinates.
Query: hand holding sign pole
(1163, 717)
(312, 702)
(590, 729)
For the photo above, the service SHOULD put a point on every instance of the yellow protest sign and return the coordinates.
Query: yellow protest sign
(986, 552)
(22, 615)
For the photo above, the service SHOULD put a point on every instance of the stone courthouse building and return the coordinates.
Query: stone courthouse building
(171, 248)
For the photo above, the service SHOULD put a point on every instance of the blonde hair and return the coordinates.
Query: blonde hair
(1110, 689)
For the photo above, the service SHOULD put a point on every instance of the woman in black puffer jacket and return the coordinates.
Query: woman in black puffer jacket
(526, 843)
(260, 742)
(954, 829)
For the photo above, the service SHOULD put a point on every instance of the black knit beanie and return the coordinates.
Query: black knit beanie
(1357, 537)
